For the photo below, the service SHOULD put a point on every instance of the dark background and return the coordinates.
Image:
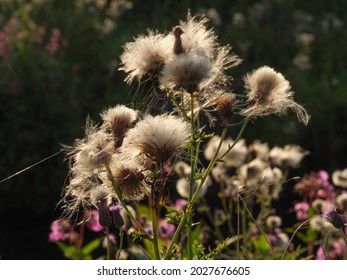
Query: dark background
(45, 96)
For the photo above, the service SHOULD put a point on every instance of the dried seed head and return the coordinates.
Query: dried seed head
(187, 71)
(159, 138)
(130, 181)
(119, 120)
(270, 93)
(225, 105)
(146, 55)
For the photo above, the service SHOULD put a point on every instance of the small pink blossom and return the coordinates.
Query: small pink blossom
(301, 209)
(93, 222)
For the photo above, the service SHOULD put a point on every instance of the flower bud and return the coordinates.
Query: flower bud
(116, 216)
(225, 106)
(105, 218)
(335, 219)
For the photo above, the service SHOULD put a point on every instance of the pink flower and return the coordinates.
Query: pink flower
(59, 230)
(301, 209)
(93, 222)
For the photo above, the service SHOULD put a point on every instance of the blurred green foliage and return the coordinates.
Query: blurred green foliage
(59, 60)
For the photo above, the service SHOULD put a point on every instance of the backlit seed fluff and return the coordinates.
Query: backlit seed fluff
(269, 92)
(130, 181)
(146, 55)
(196, 35)
(119, 120)
(339, 178)
(93, 151)
(187, 70)
(159, 137)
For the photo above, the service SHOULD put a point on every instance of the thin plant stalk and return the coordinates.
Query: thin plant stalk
(258, 227)
(122, 202)
(343, 234)
(175, 236)
(121, 239)
(238, 229)
(107, 231)
(291, 238)
(192, 176)
(155, 233)
(188, 210)
(203, 179)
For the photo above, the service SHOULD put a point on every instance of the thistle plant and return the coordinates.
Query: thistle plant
(132, 158)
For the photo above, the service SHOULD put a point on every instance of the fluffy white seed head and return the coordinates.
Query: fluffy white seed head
(339, 178)
(119, 120)
(269, 92)
(146, 55)
(289, 156)
(187, 70)
(159, 137)
(196, 35)
(101, 193)
(91, 152)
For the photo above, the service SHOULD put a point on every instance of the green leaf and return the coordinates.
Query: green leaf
(170, 209)
(69, 252)
(144, 211)
(91, 246)
(262, 245)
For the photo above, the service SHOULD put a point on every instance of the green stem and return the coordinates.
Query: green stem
(238, 137)
(216, 157)
(107, 230)
(238, 229)
(257, 225)
(210, 165)
(193, 163)
(291, 238)
(175, 237)
(343, 235)
(188, 210)
(174, 100)
(121, 238)
(155, 233)
(203, 179)
(122, 202)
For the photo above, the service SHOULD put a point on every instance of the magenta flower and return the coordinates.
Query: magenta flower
(93, 221)
(335, 251)
(59, 230)
(301, 209)
(316, 185)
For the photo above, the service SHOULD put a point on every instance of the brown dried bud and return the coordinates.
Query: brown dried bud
(225, 106)
(178, 47)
